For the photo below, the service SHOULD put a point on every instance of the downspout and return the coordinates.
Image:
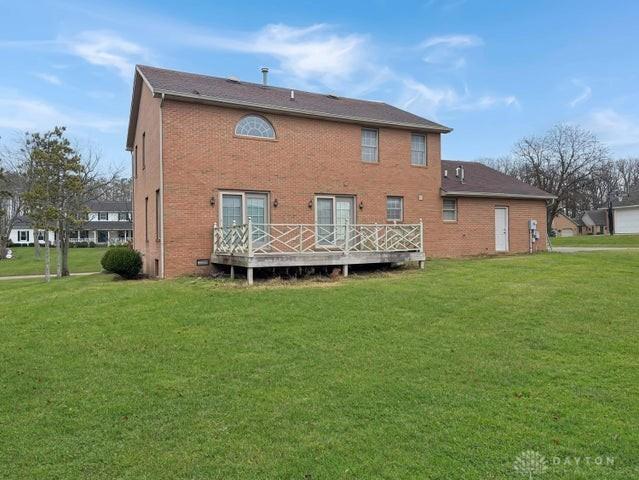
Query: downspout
(161, 190)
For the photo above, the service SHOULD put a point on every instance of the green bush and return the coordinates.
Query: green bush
(123, 261)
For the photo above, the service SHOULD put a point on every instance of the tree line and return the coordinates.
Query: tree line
(571, 163)
(49, 180)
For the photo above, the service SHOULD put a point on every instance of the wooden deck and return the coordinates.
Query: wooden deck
(297, 245)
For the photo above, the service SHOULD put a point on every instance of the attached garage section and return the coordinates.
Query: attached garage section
(567, 232)
(627, 219)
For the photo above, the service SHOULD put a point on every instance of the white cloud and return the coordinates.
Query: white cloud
(585, 94)
(428, 100)
(312, 53)
(52, 79)
(107, 49)
(23, 113)
(614, 128)
(453, 41)
(444, 50)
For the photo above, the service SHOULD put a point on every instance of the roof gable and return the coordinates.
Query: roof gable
(233, 93)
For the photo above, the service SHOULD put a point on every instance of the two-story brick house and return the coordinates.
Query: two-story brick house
(316, 176)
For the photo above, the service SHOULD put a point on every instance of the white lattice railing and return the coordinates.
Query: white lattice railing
(271, 238)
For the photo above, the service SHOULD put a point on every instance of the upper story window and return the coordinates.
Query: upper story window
(369, 145)
(254, 126)
(418, 149)
(103, 216)
(124, 216)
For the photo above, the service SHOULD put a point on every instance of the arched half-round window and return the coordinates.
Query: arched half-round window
(254, 126)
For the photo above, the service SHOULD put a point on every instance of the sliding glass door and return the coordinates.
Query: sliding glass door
(239, 207)
(332, 214)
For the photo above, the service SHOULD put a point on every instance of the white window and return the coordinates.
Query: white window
(103, 216)
(23, 235)
(124, 216)
(394, 209)
(450, 209)
(254, 126)
(369, 145)
(418, 149)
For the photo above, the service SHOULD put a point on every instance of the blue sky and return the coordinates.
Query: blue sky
(493, 70)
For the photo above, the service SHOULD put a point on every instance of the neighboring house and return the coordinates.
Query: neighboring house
(564, 226)
(249, 175)
(107, 223)
(595, 222)
(626, 213)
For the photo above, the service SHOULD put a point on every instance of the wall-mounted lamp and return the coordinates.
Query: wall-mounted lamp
(275, 203)
(361, 205)
(310, 203)
(213, 200)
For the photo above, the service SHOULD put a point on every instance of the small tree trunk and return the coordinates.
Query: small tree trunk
(36, 243)
(47, 259)
(3, 247)
(65, 254)
(59, 251)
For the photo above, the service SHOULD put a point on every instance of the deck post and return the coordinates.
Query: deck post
(214, 236)
(345, 270)
(422, 264)
(250, 237)
(249, 275)
(346, 235)
(232, 272)
(301, 237)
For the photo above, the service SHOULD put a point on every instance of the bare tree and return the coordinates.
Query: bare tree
(560, 162)
(628, 169)
(12, 183)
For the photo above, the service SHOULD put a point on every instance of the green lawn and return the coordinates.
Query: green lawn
(447, 373)
(25, 263)
(597, 240)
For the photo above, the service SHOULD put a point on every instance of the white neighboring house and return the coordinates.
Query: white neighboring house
(108, 223)
(626, 213)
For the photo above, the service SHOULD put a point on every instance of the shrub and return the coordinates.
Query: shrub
(123, 261)
(92, 244)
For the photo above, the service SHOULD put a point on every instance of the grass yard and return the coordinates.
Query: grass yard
(25, 263)
(597, 241)
(447, 373)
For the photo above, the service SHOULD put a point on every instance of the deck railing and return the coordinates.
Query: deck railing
(252, 239)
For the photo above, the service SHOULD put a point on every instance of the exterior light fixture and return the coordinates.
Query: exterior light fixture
(275, 203)
(213, 200)
(361, 205)
(310, 203)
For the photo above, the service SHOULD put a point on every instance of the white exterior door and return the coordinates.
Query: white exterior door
(627, 220)
(501, 229)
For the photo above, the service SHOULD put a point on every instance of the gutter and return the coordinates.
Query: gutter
(497, 195)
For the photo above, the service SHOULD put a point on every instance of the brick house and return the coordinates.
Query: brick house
(564, 226)
(251, 175)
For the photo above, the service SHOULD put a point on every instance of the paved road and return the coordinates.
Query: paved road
(593, 249)
(31, 277)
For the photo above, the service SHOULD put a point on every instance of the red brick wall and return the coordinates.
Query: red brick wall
(474, 231)
(202, 156)
(147, 180)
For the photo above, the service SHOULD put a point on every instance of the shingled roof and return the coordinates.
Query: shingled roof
(239, 94)
(483, 181)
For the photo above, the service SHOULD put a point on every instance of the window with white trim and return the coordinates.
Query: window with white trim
(103, 216)
(23, 235)
(124, 216)
(449, 210)
(418, 149)
(254, 126)
(370, 143)
(394, 209)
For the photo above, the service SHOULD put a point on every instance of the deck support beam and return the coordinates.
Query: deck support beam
(422, 264)
(249, 275)
(232, 272)
(345, 270)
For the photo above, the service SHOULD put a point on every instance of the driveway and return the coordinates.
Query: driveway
(593, 249)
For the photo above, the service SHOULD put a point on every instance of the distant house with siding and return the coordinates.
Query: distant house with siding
(626, 213)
